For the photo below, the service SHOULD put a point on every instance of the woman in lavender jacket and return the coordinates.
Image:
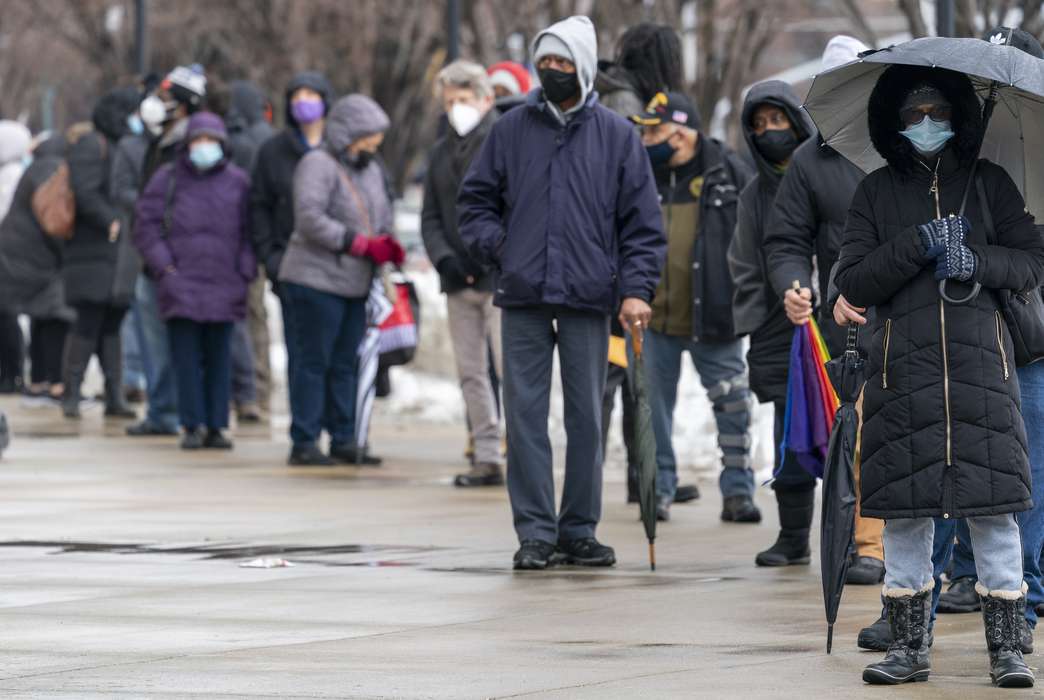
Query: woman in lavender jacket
(192, 231)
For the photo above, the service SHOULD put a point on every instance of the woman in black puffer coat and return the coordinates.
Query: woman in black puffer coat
(942, 433)
(100, 265)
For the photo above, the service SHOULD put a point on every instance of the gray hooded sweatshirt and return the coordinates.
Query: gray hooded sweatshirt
(578, 35)
(334, 202)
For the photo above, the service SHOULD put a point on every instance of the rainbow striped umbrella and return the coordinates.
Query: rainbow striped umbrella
(811, 400)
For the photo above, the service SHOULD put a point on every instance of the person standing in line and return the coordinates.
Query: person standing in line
(308, 97)
(466, 94)
(15, 143)
(699, 181)
(342, 234)
(774, 125)
(98, 281)
(181, 93)
(562, 202)
(191, 228)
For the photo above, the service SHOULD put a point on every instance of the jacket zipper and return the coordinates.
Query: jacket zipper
(666, 267)
(1000, 345)
(887, 341)
(933, 191)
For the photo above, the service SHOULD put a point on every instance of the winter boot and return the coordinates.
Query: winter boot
(481, 474)
(908, 659)
(111, 357)
(1002, 615)
(960, 597)
(795, 520)
(77, 355)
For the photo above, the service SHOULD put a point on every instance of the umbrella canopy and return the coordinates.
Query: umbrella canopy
(645, 449)
(839, 494)
(378, 308)
(837, 103)
(811, 400)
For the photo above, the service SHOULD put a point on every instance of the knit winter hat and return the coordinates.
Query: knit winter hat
(924, 94)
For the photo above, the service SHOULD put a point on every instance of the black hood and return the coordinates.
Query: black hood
(309, 79)
(885, 124)
(246, 105)
(611, 77)
(779, 94)
(54, 146)
(111, 112)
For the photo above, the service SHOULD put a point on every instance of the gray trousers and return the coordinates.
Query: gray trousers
(530, 336)
(995, 541)
(474, 324)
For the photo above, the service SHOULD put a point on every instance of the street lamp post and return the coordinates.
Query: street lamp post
(141, 38)
(944, 20)
(452, 30)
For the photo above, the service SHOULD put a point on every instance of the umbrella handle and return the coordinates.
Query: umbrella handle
(971, 295)
(637, 337)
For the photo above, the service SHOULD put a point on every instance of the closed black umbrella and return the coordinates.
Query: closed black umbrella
(645, 442)
(847, 373)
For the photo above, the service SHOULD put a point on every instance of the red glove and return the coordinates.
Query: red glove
(381, 249)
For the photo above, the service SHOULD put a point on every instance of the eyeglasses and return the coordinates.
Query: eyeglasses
(937, 113)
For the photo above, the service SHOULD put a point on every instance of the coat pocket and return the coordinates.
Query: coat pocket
(884, 363)
(1000, 344)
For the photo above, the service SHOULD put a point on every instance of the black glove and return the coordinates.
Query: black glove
(456, 271)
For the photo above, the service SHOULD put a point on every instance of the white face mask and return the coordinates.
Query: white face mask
(152, 113)
(464, 118)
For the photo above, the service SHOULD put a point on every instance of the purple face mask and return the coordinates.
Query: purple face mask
(307, 111)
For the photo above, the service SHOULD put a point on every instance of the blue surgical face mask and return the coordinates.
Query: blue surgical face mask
(206, 155)
(661, 153)
(928, 135)
(135, 124)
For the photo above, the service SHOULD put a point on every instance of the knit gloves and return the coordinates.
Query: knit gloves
(943, 240)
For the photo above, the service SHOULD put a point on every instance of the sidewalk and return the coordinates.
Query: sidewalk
(120, 578)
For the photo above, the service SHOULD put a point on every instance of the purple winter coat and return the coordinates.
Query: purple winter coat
(208, 245)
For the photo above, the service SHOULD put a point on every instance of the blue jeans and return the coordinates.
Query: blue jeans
(529, 338)
(133, 367)
(723, 374)
(1031, 522)
(909, 546)
(244, 387)
(154, 344)
(203, 368)
(323, 384)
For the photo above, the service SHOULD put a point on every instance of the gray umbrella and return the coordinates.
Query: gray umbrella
(837, 103)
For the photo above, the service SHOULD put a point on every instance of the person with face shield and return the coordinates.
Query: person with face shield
(774, 125)
(342, 235)
(466, 93)
(699, 180)
(562, 202)
(943, 434)
(193, 232)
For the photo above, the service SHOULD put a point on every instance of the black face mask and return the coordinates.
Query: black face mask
(558, 85)
(361, 159)
(776, 146)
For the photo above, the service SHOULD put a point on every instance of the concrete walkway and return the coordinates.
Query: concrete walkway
(120, 577)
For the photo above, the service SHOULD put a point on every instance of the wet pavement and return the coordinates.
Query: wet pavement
(120, 577)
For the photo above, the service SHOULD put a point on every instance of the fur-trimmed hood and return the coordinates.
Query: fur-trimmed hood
(885, 124)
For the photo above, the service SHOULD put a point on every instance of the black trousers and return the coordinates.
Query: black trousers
(47, 338)
(791, 476)
(12, 350)
(95, 321)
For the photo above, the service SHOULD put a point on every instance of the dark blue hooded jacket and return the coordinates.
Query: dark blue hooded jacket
(568, 214)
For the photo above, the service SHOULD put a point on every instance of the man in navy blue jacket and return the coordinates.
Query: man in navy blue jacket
(562, 202)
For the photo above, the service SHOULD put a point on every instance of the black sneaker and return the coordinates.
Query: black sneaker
(308, 456)
(349, 454)
(533, 555)
(684, 494)
(482, 474)
(147, 429)
(960, 597)
(740, 509)
(586, 551)
(215, 440)
(865, 571)
(192, 440)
